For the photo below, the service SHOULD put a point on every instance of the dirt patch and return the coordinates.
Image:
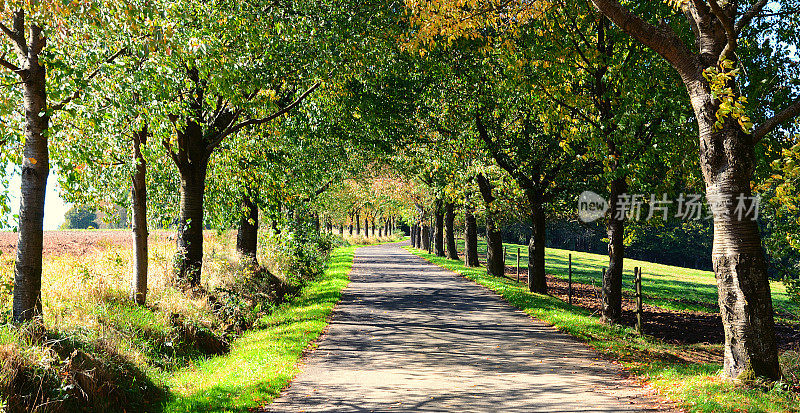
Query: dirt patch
(675, 327)
(79, 242)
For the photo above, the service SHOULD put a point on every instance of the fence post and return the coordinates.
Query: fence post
(569, 290)
(518, 250)
(637, 277)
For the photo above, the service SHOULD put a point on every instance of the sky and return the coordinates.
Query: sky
(54, 206)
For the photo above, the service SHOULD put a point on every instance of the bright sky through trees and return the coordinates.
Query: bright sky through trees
(55, 207)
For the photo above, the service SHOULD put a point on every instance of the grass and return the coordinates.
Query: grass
(696, 289)
(263, 361)
(86, 307)
(697, 387)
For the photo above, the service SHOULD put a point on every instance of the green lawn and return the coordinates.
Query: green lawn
(263, 360)
(697, 387)
(666, 286)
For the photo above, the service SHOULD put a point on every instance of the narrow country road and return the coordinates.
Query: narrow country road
(410, 336)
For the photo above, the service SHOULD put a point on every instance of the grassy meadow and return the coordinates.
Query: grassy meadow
(665, 286)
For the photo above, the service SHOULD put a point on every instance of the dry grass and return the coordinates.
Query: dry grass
(86, 306)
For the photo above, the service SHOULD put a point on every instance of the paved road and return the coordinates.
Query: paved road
(410, 336)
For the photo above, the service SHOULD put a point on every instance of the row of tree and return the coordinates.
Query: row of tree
(522, 105)
(386, 111)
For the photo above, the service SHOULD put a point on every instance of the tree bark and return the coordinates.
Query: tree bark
(449, 231)
(438, 234)
(358, 223)
(189, 260)
(247, 238)
(470, 236)
(140, 233)
(495, 261)
(27, 302)
(612, 279)
(537, 279)
(739, 264)
(426, 237)
(413, 235)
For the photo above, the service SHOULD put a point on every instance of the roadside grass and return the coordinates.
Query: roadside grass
(665, 286)
(91, 325)
(697, 387)
(263, 360)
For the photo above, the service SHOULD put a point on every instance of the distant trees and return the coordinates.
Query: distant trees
(79, 217)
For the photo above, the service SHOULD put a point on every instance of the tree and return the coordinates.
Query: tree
(32, 35)
(79, 217)
(727, 156)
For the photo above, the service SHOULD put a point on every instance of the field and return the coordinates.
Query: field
(77, 242)
(680, 304)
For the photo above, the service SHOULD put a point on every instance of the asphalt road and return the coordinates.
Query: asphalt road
(410, 336)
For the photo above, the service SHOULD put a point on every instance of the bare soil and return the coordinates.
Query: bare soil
(76, 242)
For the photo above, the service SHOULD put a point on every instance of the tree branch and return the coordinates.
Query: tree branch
(730, 33)
(748, 16)
(172, 154)
(8, 65)
(661, 39)
(253, 122)
(77, 93)
(770, 124)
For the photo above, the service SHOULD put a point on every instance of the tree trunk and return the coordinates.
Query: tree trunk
(413, 236)
(426, 238)
(189, 261)
(373, 226)
(358, 223)
(341, 229)
(495, 262)
(537, 279)
(438, 234)
(739, 264)
(470, 236)
(140, 233)
(449, 231)
(247, 238)
(612, 279)
(27, 302)
(727, 158)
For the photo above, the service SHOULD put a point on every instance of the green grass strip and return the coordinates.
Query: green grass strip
(697, 387)
(263, 361)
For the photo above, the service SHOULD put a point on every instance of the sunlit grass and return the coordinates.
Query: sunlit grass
(264, 360)
(698, 387)
(665, 286)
